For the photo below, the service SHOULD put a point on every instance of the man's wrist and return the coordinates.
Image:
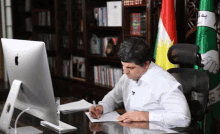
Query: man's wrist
(144, 115)
(101, 108)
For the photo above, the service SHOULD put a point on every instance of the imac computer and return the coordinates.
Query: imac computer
(30, 81)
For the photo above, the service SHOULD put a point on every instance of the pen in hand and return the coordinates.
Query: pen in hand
(94, 105)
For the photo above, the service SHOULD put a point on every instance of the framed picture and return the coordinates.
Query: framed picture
(77, 67)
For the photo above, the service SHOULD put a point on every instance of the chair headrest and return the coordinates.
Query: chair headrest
(184, 54)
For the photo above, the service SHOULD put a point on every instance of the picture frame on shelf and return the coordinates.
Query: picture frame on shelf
(77, 67)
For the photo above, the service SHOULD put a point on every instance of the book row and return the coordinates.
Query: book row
(52, 64)
(110, 15)
(107, 75)
(28, 25)
(133, 2)
(138, 23)
(44, 18)
(102, 45)
(48, 39)
(100, 15)
(75, 68)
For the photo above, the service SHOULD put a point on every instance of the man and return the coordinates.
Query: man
(148, 92)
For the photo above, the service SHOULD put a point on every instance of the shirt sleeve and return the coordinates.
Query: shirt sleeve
(114, 98)
(176, 111)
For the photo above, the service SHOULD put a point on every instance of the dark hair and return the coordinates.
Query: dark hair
(135, 50)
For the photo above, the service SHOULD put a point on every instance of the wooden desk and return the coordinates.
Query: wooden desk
(81, 121)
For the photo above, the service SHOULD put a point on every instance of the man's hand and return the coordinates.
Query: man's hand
(134, 116)
(95, 126)
(94, 112)
(139, 124)
(211, 61)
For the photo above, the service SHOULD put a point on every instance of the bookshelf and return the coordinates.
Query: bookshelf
(144, 14)
(72, 26)
(93, 60)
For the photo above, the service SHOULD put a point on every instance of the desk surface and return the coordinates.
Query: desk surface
(84, 126)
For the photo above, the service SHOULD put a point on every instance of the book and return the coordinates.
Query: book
(48, 19)
(28, 24)
(101, 16)
(135, 26)
(132, 2)
(65, 41)
(52, 63)
(95, 44)
(27, 5)
(95, 74)
(141, 2)
(132, 16)
(40, 18)
(105, 43)
(143, 23)
(66, 68)
(96, 15)
(43, 23)
(48, 39)
(105, 21)
(80, 43)
(126, 2)
(114, 9)
(99, 74)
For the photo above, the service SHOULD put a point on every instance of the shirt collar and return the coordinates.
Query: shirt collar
(148, 74)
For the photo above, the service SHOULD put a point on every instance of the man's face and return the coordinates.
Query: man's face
(134, 71)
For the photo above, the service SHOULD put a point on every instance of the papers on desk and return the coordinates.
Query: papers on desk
(112, 116)
(62, 128)
(75, 106)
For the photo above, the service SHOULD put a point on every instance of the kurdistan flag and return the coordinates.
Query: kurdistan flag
(166, 35)
(206, 38)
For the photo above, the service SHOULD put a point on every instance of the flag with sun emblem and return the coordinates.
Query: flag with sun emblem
(166, 35)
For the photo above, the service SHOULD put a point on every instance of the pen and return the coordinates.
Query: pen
(95, 108)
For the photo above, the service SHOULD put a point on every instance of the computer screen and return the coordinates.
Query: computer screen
(26, 61)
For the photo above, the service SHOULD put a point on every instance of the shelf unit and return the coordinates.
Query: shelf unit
(72, 24)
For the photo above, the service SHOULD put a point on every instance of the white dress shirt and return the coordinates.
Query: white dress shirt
(156, 92)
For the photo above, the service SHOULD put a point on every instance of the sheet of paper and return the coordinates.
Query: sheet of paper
(76, 106)
(112, 116)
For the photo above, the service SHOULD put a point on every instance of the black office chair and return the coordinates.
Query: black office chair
(195, 82)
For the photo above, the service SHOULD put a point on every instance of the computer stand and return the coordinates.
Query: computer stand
(8, 109)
